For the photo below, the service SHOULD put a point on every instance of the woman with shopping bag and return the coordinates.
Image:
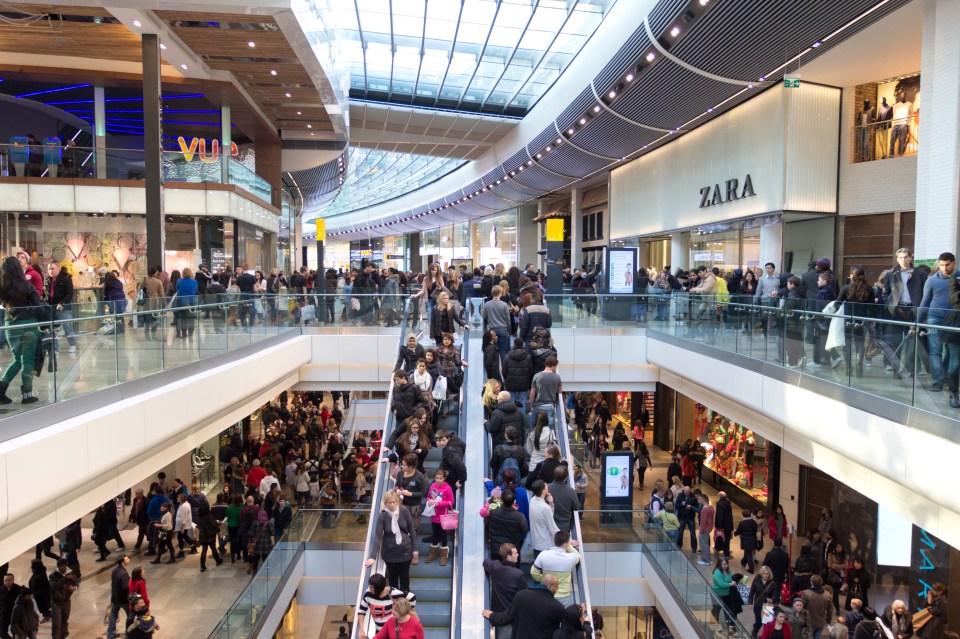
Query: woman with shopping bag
(440, 497)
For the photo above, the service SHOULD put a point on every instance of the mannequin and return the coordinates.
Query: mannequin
(884, 116)
(901, 125)
(867, 118)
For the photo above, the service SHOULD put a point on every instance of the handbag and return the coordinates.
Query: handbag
(450, 520)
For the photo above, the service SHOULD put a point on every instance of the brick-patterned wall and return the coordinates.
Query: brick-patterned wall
(864, 92)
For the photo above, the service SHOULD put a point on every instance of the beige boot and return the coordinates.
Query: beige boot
(433, 553)
(416, 560)
(444, 555)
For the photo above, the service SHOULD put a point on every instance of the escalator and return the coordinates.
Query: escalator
(436, 587)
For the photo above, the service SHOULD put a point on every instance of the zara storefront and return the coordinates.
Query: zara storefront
(757, 184)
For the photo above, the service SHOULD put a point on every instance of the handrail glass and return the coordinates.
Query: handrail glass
(75, 162)
(90, 346)
(458, 545)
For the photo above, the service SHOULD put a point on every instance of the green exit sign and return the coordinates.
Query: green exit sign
(791, 82)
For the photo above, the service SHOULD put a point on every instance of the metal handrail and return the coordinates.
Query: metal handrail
(458, 546)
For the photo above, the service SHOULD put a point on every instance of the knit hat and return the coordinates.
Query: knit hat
(823, 263)
(145, 622)
(496, 493)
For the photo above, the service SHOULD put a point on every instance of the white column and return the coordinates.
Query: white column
(771, 245)
(225, 140)
(100, 132)
(541, 258)
(938, 160)
(576, 228)
(679, 251)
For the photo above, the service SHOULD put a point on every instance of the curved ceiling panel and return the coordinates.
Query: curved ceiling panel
(569, 161)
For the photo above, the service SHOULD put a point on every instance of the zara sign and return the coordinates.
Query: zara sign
(731, 191)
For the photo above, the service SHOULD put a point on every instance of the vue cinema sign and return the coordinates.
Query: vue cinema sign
(191, 150)
(730, 192)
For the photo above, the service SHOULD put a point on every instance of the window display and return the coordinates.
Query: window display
(734, 452)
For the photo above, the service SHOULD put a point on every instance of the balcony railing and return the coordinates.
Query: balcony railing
(128, 164)
(889, 139)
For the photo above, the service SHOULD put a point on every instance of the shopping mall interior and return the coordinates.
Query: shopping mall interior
(479, 318)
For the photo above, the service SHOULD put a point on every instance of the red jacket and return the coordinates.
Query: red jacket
(772, 527)
(409, 630)
(255, 476)
(687, 469)
(34, 278)
(768, 630)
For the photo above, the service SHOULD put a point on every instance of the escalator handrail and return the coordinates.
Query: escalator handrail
(457, 576)
(580, 571)
(383, 483)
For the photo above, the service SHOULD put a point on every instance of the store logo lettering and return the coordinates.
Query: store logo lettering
(714, 196)
(190, 151)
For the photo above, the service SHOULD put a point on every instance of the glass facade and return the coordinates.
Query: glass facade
(489, 241)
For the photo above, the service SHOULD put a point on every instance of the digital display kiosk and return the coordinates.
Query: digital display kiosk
(616, 488)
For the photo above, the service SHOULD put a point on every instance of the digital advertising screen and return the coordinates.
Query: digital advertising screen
(616, 476)
(622, 267)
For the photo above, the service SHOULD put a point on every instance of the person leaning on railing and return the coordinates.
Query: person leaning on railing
(22, 303)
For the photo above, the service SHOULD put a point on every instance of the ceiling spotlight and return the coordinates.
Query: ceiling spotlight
(549, 149)
(675, 31)
(529, 162)
(583, 121)
(184, 67)
(569, 131)
(273, 72)
(596, 109)
(309, 126)
(710, 110)
(629, 77)
(703, 3)
(299, 113)
(288, 95)
(559, 140)
(136, 23)
(763, 78)
(817, 44)
(749, 86)
(539, 156)
(513, 172)
(521, 167)
(251, 44)
(651, 56)
(612, 95)
(163, 46)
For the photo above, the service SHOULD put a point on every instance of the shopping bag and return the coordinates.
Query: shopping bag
(308, 313)
(440, 388)
(526, 551)
(835, 334)
(450, 520)
(429, 510)
(766, 614)
(744, 591)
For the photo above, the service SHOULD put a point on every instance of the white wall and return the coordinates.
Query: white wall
(60, 473)
(615, 578)
(785, 139)
(882, 459)
(880, 186)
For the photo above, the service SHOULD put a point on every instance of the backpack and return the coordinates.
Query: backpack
(510, 463)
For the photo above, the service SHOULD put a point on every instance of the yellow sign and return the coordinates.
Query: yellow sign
(321, 229)
(555, 229)
(189, 151)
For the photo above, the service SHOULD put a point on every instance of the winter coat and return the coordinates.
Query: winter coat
(385, 542)
(518, 371)
(504, 415)
(452, 461)
(724, 517)
(531, 317)
(407, 360)
(747, 531)
(406, 398)
(491, 362)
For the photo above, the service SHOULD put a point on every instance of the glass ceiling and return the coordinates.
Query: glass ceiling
(490, 56)
(375, 176)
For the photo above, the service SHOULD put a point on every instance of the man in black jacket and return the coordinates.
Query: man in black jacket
(9, 592)
(506, 580)
(506, 414)
(509, 449)
(245, 282)
(406, 397)
(119, 596)
(687, 506)
(534, 315)
(409, 354)
(452, 460)
(62, 586)
(534, 613)
(723, 521)
(518, 372)
(902, 294)
(778, 561)
(60, 297)
(506, 526)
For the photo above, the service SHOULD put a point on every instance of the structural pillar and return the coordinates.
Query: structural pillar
(554, 264)
(153, 148)
(771, 245)
(938, 159)
(321, 238)
(225, 141)
(99, 133)
(576, 228)
(679, 251)
(541, 241)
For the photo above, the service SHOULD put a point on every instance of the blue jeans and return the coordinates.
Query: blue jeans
(112, 621)
(688, 523)
(935, 346)
(549, 409)
(673, 535)
(66, 317)
(503, 343)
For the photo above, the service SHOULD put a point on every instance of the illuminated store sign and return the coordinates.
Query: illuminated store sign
(731, 192)
(189, 151)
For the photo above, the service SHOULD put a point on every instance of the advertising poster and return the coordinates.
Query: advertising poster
(617, 476)
(622, 264)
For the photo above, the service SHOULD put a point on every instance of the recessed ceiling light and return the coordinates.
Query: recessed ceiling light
(629, 77)
(763, 78)
(539, 155)
(521, 167)
(570, 131)
(749, 86)
(513, 172)
(529, 162)
(596, 109)
(651, 56)
(136, 23)
(675, 31)
(612, 95)
(184, 67)
(251, 44)
(559, 140)
(299, 113)
(273, 72)
(583, 121)
(288, 95)
(703, 3)
(309, 126)
(549, 149)
(817, 44)
(710, 110)
(163, 46)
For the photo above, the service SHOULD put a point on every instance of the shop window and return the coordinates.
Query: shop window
(887, 119)
(599, 225)
(733, 452)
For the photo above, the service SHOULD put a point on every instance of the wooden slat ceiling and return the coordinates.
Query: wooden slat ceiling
(72, 39)
(225, 47)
